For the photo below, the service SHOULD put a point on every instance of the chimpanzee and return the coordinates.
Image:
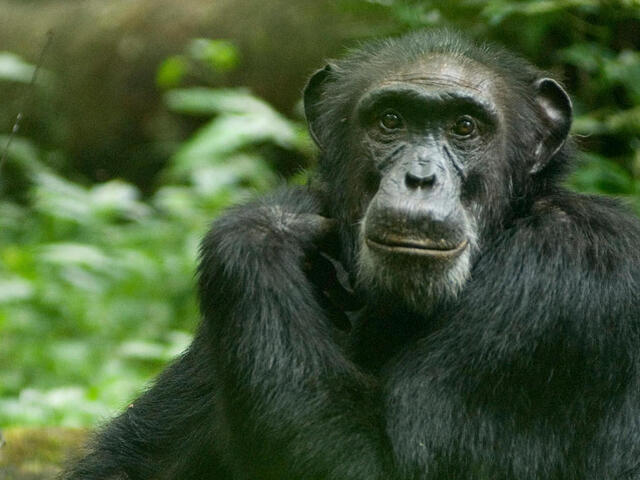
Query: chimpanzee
(433, 305)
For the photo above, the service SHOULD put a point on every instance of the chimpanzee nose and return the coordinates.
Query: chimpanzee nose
(420, 176)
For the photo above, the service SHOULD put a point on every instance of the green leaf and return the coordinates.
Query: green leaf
(208, 101)
(249, 169)
(171, 72)
(13, 68)
(220, 55)
(625, 70)
(587, 56)
(115, 199)
(230, 133)
(76, 253)
(600, 175)
(498, 10)
(144, 350)
(24, 154)
(60, 198)
(15, 289)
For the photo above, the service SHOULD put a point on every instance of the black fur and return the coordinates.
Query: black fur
(528, 370)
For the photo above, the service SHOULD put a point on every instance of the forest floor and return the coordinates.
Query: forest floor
(37, 453)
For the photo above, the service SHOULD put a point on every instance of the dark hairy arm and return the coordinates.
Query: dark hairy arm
(294, 403)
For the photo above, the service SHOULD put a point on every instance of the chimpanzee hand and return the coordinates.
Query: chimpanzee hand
(288, 220)
(285, 230)
(313, 231)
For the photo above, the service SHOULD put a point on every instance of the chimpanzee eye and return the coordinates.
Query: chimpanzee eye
(391, 120)
(464, 126)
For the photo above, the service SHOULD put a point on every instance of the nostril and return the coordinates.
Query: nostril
(415, 180)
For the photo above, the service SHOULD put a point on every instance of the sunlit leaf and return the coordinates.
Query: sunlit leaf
(144, 350)
(23, 154)
(13, 68)
(117, 197)
(76, 253)
(220, 55)
(14, 289)
(230, 133)
(208, 101)
(209, 179)
(171, 72)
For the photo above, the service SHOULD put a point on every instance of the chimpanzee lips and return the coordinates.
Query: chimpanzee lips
(416, 246)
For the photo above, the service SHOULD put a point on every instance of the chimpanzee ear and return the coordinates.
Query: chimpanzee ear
(311, 97)
(556, 109)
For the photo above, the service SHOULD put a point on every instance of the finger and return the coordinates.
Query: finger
(312, 228)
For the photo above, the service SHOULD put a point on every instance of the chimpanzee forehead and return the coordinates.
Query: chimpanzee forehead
(438, 71)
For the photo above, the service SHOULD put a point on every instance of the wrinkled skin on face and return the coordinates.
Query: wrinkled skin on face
(422, 131)
(428, 145)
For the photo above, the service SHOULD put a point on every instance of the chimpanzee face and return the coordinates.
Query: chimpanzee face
(424, 132)
(429, 151)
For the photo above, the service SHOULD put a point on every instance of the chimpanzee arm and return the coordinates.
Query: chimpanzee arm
(296, 407)
(170, 432)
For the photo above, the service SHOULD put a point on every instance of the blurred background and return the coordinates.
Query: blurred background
(147, 117)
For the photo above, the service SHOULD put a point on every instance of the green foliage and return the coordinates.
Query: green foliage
(203, 59)
(86, 271)
(241, 120)
(97, 283)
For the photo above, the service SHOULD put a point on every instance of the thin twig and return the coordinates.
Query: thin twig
(29, 89)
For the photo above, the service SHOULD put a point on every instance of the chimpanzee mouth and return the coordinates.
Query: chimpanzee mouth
(412, 246)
